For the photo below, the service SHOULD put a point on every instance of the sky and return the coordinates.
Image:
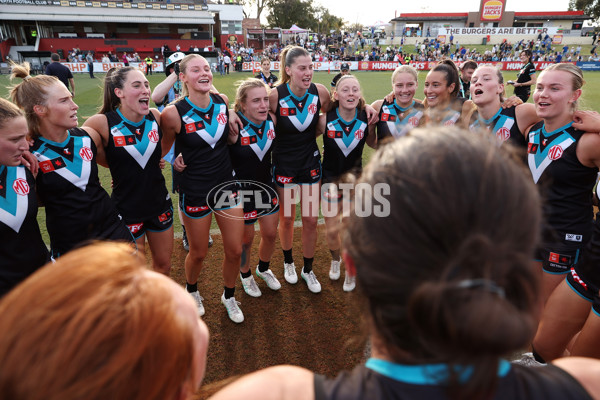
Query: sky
(368, 12)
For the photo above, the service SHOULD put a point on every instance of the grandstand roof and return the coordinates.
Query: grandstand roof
(432, 17)
(105, 14)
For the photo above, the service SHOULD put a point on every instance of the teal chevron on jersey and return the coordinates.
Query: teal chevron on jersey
(70, 159)
(347, 135)
(300, 110)
(139, 139)
(13, 199)
(210, 127)
(545, 147)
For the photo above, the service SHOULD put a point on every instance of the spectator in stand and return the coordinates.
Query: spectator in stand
(55, 68)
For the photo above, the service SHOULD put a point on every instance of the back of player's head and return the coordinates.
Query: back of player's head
(34, 90)
(54, 57)
(447, 272)
(96, 325)
(8, 112)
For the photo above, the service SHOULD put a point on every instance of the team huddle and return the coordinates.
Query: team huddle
(268, 140)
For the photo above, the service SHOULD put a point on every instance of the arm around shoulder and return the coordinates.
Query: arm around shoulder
(324, 96)
(283, 382)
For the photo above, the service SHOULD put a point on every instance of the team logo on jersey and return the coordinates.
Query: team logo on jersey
(346, 142)
(260, 145)
(503, 134)
(222, 118)
(300, 119)
(210, 130)
(66, 151)
(140, 147)
(86, 154)
(14, 204)
(539, 159)
(153, 136)
(413, 121)
(77, 171)
(21, 187)
(555, 153)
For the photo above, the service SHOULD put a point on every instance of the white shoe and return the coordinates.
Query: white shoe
(250, 286)
(198, 300)
(311, 281)
(233, 309)
(269, 277)
(334, 270)
(289, 273)
(528, 360)
(349, 283)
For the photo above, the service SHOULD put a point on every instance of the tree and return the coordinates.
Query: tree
(249, 6)
(285, 13)
(589, 7)
(355, 27)
(327, 22)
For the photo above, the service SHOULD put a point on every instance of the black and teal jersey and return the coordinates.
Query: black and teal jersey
(133, 154)
(202, 141)
(22, 250)
(396, 121)
(343, 143)
(251, 153)
(297, 117)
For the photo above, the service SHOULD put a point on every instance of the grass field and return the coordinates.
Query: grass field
(375, 85)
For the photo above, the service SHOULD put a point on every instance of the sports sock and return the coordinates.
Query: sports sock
(263, 265)
(229, 292)
(307, 265)
(246, 274)
(287, 256)
(191, 288)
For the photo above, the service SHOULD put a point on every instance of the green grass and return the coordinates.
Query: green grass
(375, 86)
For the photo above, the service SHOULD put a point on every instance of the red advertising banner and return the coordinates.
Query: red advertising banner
(492, 10)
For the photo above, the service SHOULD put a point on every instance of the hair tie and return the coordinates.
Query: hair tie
(486, 284)
(28, 77)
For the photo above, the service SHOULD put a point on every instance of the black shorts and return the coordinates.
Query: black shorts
(558, 258)
(284, 176)
(159, 223)
(266, 203)
(199, 206)
(109, 229)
